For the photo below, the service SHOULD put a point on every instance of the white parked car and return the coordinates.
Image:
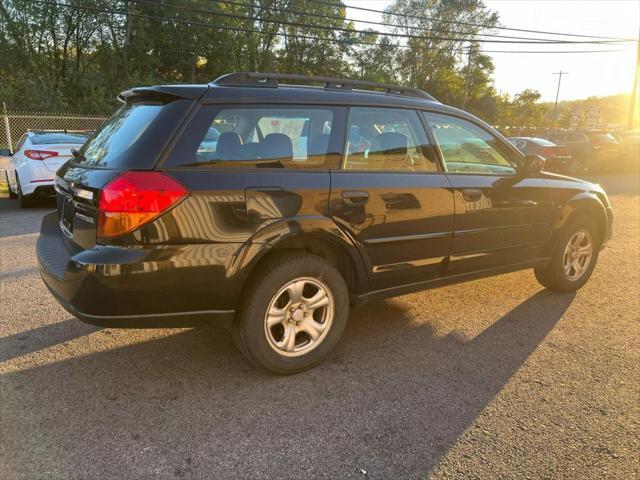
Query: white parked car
(37, 157)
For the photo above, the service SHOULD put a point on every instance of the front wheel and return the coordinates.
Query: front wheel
(293, 313)
(574, 258)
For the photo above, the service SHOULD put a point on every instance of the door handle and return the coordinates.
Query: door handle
(471, 194)
(355, 197)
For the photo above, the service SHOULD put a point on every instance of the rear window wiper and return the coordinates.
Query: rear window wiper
(197, 164)
(76, 154)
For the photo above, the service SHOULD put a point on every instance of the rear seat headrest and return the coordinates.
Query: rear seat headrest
(276, 146)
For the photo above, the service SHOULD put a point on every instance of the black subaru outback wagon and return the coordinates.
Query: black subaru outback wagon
(276, 207)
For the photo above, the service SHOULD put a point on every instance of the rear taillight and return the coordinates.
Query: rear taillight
(39, 154)
(135, 198)
(547, 152)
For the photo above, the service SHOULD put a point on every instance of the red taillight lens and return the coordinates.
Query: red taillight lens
(547, 152)
(39, 154)
(135, 198)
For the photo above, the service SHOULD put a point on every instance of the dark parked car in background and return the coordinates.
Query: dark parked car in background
(630, 148)
(593, 150)
(558, 159)
(156, 228)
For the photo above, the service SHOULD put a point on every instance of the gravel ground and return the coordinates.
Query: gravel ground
(495, 378)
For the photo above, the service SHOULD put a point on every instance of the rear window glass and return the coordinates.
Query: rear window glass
(54, 138)
(118, 134)
(135, 136)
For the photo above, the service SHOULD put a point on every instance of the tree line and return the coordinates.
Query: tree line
(76, 55)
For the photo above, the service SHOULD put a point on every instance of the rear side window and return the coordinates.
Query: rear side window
(259, 137)
(58, 138)
(387, 139)
(542, 142)
(134, 136)
(601, 137)
(520, 143)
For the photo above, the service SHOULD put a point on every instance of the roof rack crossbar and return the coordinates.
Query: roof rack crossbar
(257, 79)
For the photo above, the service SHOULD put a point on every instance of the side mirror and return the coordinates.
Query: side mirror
(533, 164)
(5, 152)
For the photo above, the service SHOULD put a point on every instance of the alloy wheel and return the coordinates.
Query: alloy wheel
(299, 316)
(577, 255)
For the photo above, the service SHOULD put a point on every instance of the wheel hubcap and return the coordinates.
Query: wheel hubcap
(299, 317)
(577, 255)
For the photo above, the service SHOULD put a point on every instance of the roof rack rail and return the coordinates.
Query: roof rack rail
(257, 79)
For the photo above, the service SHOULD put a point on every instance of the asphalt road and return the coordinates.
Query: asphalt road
(495, 378)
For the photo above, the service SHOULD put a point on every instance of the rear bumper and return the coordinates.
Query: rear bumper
(129, 287)
(45, 191)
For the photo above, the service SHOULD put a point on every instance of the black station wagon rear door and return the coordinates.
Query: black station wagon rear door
(392, 197)
(250, 168)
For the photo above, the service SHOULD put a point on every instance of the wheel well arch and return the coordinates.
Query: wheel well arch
(338, 251)
(586, 206)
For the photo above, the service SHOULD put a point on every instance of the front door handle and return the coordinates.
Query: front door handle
(471, 194)
(355, 197)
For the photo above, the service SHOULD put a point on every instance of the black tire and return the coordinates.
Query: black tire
(249, 330)
(553, 276)
(12, 194)
(26, 201)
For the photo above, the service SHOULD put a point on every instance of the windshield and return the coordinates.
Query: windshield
(51, 138)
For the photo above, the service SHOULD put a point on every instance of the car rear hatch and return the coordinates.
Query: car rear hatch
(132, 140)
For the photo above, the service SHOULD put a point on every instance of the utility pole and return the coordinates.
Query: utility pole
(634, 91)
(466, 79)
(555, 108)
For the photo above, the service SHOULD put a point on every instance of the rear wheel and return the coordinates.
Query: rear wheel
(12, 194)
(574, 258)
(293, 314)
(26, 201)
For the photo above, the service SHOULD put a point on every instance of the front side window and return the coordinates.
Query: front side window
(387, 139)
(270, 137)
(467, 148)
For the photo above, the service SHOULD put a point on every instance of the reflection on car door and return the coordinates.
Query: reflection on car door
(501, 218)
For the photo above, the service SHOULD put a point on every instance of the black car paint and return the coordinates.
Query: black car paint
(390, 232)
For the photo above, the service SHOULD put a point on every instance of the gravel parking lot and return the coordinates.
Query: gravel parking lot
(495, 378)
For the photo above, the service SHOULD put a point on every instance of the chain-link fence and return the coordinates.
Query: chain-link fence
(15, 124)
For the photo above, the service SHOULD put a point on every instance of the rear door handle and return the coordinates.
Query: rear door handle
(355, 197)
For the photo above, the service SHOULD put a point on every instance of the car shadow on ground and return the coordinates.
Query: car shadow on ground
(392, 400)
(22, 343)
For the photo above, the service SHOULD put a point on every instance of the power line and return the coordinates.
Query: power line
(236, 29)
(369, 22)
(221, 27)
(407, 15)
(351, 30)
(550, 51)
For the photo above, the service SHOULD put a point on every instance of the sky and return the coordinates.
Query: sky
(590, 74)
